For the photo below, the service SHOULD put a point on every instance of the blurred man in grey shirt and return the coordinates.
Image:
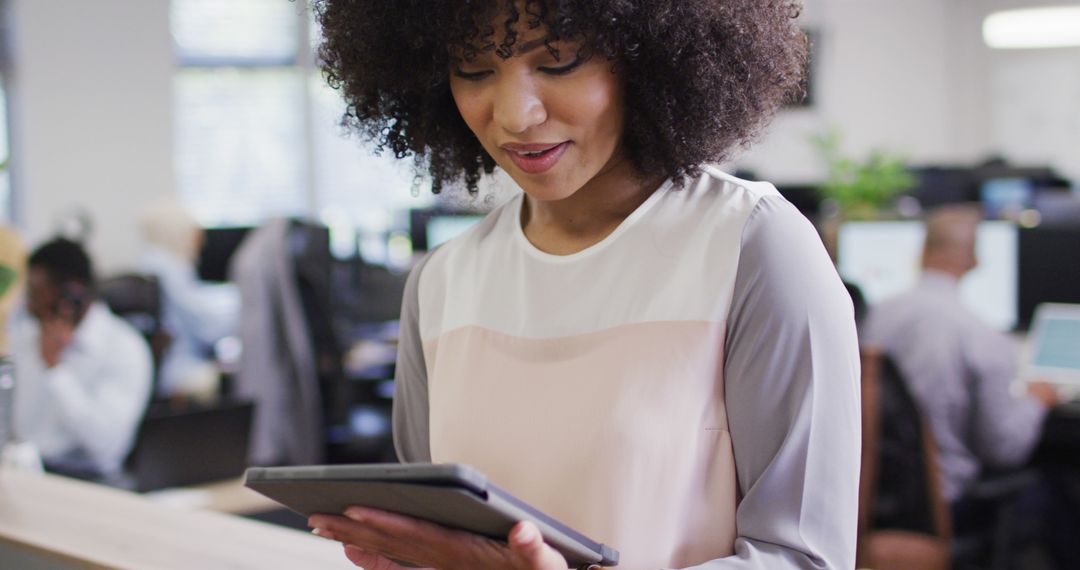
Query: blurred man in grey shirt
(958, 369)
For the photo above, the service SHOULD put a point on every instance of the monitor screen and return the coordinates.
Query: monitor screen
(884, 259)
(429, 228)
(1006, 197)
(1049, 272)
(219, 245)
(940, 185)
(444, 228)
(1058, 340)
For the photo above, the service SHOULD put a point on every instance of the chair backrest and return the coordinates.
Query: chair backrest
(137, 299)
(903, 518)
(309, 247)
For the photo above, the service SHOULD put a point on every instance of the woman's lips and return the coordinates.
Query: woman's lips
(535, 158)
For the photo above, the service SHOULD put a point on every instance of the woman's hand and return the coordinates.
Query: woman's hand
(375, 539)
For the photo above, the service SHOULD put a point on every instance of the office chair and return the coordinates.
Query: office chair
(137, 299)
(903, 520)
(991, 543)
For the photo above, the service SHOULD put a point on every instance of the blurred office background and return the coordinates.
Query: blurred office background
(111, 106)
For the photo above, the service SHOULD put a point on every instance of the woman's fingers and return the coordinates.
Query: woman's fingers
(323, 533)
(376, 538)
(368, 537)
(394, 536)
(369, 560)
(528, 545)
(525, 539)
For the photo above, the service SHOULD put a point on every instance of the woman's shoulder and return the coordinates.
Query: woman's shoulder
(731, 186)
(718, 207)
(716, 199)
(761, 204)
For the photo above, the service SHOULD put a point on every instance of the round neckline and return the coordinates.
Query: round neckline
(519, 232)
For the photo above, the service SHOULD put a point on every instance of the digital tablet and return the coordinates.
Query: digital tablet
(453, 495)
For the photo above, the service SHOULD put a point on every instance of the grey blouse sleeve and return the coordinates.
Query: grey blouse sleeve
(792, 393)
(410, 419)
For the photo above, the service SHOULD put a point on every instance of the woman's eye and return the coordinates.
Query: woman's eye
(471, 75)
(563, 70)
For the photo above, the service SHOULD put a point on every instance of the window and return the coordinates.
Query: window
(257, 129)
(6, 200)
(5, 161)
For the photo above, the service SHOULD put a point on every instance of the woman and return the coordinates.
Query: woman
(656, 353)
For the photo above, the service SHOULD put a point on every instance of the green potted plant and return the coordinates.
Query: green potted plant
(861, 190)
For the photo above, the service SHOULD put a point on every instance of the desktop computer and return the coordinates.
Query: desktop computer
(430, 227)
(884, 259)
(1049, 268)
(219, 245)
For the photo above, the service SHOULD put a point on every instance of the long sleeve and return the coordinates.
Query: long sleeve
(206, 313)
(1006, 428)
(99, 392)
(410, 416)
(792, 395)
(102, 415)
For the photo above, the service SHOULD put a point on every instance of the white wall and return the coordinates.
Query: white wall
(91, 107)
(1035, 111)
(1037, 108)
(914, 77)
(881, 77)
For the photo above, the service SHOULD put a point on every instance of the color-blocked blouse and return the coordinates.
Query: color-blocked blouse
(685, 390)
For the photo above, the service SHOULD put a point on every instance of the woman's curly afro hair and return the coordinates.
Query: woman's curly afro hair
(701, 77)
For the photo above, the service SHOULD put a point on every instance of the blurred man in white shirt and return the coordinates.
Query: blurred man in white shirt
(83, 374)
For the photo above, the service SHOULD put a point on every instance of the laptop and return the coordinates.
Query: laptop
(176, 448)
(1053, 353)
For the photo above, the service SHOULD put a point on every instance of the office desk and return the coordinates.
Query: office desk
(1060, 443)
(230, 496)
(50, 522)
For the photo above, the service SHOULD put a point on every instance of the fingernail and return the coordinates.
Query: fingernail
(355, 514)
(322, 533)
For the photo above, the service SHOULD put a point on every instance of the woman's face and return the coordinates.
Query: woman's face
(553, 125)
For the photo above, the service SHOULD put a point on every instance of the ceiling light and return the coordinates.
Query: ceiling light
(1033, 28)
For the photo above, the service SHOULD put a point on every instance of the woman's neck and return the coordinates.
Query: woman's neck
(563, 227)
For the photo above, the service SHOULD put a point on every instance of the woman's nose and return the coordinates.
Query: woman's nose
(518, 105)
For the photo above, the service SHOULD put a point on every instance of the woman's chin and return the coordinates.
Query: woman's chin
(546, 188)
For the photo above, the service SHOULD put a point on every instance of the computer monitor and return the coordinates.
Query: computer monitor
(219, 245)
(189, 446)
(1049, 271)
(1052, 354)
(1006, 197)
(429, 228)
(941, 185)
(884, 259)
